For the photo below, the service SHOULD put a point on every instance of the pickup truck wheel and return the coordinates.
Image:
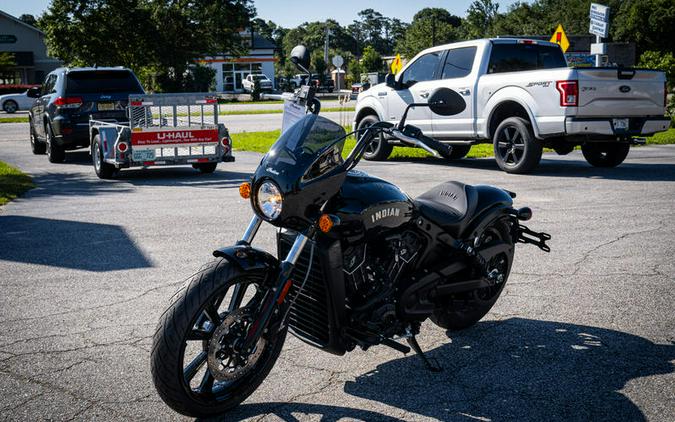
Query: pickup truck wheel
(36, 146)
(55, 152)
(515, 147)
(205, 168)
(605, 154)
(103, 170)
(379, 148)
(458, 151)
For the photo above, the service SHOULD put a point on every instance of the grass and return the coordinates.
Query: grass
(13, 182)
(662, 138)
(16, 119)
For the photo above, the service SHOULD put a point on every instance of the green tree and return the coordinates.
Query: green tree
(429, 27)
(371, 61)
(479, 18)
(650, 24)
(660, 61)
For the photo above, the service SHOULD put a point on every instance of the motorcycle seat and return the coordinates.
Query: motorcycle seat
(450, 205)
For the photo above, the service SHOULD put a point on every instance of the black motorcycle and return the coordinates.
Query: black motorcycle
(359, 262)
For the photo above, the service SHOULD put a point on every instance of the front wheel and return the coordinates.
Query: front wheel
(463, 310)
(196, 365)
(605, 154)
(379, 148)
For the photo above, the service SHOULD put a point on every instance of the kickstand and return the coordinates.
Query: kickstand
(433, 367)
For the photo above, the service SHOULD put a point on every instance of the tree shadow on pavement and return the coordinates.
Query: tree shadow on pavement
(516, 369)
(69, 244)
(551, 166)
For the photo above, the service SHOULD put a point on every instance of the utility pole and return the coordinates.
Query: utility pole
(325, 47)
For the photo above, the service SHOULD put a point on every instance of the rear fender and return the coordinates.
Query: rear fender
(248, 258)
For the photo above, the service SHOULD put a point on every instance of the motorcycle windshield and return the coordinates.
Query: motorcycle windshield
(308, 148)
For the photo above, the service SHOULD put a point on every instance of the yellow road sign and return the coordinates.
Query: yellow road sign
(560, 38)
(396, 64)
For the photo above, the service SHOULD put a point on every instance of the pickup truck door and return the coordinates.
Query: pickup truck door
(415, 85)
(456, 74)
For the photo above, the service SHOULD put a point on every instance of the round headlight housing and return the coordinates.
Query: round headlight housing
(269, 199)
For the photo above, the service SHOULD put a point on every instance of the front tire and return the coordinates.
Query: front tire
(379, 148)
(515, 147)
(463, 310)
(205, 318)
(605, 154)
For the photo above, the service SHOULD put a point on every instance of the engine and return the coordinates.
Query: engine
(372, 272)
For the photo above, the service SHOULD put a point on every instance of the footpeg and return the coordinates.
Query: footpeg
(432, 366)
(525, 235)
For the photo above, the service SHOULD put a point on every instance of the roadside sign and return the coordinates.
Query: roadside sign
(560, 38)
(338, 61)
(599, 12)
(396, 64)
(599, 28)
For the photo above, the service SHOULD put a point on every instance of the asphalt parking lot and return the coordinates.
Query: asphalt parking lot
(586, 332)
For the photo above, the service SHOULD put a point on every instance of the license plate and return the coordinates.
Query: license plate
(143, 155)
(620, 124)
(106, 106)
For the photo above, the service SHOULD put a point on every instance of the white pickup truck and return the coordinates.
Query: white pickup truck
(248, 83)
(520, 96)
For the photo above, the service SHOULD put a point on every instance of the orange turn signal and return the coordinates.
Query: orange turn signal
(326, 222)
(245, 190)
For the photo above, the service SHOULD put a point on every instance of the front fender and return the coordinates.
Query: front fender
(369, 105)
(248, 258)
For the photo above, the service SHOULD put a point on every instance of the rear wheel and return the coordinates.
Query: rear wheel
(36, 145)
(379, 148)
(463, 310)
(103, 170)
(515, 147)
(10, 106)
(605, 154)
(196, 364)
(55, 152)
(458, 151)
(205, 168)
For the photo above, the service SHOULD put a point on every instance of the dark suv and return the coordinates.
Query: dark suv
(59, 118)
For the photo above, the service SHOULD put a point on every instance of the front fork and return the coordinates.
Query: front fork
(276, 295)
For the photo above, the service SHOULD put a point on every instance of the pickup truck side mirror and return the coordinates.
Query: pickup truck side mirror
(33, 92)
(390, 80)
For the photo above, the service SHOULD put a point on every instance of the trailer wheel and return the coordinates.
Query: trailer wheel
(206, 168)
(103, 170)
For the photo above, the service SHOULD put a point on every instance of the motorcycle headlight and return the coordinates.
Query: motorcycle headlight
(269, 200)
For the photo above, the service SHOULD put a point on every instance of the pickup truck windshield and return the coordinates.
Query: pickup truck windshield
(108, 81)
(520, 57)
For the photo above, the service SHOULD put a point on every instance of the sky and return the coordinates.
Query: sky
(291, 13)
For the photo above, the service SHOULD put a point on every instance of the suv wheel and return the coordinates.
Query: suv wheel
(515, 147)
(10, 106)
(36, 146)
(605, 154)
(379, 148)
(458, 151)
(103, 170)
(55, 153)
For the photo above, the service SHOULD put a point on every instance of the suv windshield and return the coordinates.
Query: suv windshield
(98, 81)
(520, 57)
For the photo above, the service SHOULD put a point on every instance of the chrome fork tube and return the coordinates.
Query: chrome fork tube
(251, 230)
(296, 249)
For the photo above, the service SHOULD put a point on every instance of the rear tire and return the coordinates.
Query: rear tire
(36, 146)
(189, 315)
(516, 149)
(55, 152)
(379, 148)
(103, 170)
(605, 154)
(463, 310)
(205, 168)
(10, 106)
(458, 152)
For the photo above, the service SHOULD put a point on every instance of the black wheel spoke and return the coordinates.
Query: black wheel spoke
(191, 370)
(206, 386)
(211, 312)
(237, 297)
(198, 335)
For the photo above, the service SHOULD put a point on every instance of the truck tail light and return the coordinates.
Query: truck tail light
(68, 102)
(569, 93)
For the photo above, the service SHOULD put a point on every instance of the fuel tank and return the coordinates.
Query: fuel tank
(368, 205)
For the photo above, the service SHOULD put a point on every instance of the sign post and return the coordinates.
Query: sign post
(599, 26)
(338, 61)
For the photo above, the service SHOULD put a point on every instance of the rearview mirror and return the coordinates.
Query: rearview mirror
(300, 57)
(446, 102)
(33, 92)
(390, 80)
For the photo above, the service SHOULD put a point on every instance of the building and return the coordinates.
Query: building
(231, 70)
(27, 44)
